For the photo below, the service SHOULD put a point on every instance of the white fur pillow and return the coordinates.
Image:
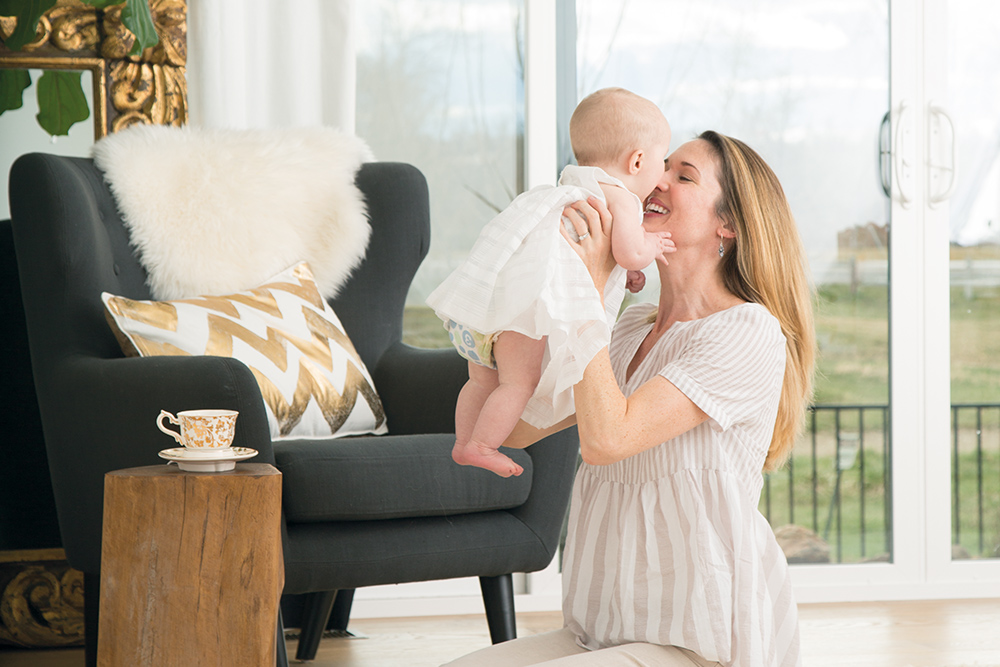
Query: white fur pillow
(217, 211)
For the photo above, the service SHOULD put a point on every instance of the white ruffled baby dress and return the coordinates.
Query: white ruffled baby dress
(522, 275)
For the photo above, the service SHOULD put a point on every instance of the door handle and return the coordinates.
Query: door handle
(901, 166)
(885, 154)
(937, 116)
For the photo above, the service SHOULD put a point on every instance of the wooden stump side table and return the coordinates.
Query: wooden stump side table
(191, 566)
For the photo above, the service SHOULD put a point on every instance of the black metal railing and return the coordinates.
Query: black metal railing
(838, 481)
(975, 463)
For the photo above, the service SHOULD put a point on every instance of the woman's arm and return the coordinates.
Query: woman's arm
(613, 427)
(525, 434)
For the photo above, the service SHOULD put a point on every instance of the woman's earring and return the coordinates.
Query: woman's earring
(722, 248)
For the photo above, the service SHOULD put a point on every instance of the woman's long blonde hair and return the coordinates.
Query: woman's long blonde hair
(768, 267)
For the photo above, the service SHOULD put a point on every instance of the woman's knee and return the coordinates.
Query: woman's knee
(524, 651)
(641, 654)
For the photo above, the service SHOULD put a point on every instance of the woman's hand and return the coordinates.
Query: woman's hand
(592, 222)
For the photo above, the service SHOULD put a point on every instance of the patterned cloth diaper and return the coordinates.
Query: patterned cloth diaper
(475, 346)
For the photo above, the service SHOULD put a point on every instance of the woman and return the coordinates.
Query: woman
(668, 561)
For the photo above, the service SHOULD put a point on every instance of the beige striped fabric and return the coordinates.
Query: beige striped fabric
(668, 547)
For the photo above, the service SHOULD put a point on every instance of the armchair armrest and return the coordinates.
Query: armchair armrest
(104, 420)
(419, 388)
(554, 461)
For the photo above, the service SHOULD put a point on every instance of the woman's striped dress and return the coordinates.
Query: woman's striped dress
(668, 547)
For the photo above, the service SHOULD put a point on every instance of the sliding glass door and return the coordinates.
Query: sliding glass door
(968, 167)
(882, 120)
(807, 85)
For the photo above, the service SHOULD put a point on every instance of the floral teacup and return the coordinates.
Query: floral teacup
(201, 431)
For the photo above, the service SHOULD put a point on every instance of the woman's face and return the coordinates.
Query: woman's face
(684, 199)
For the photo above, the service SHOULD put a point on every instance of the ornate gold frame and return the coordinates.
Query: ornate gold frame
(147, 88)
(41, 597)
(97, 68)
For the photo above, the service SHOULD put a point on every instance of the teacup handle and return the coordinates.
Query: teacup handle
(173, 420)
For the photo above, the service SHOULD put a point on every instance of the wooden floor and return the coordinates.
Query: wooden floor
(946, 633)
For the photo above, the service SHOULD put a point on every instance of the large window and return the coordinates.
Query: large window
(805, 84)
(880, 119)
(440, 85)
(972, 174)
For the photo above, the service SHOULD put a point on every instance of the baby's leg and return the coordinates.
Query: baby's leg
(481, 383)
(519, 365)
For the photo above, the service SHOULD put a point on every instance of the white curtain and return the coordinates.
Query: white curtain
(271, 63)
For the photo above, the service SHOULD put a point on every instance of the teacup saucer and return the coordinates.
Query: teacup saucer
(217, 461)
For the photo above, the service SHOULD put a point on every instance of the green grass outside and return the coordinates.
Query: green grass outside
(852, 336)
(422, 328)
(852, 331)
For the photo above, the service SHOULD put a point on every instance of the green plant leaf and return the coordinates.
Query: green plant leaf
(102, 4)
(61, 101)
(27, 12)
(12, 85)
(138, 19)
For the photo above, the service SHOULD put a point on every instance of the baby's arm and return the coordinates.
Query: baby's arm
(632, 246)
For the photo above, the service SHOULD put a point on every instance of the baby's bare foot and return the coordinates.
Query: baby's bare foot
(484, 456)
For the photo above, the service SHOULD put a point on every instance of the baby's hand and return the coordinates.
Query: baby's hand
(665, 244)
(635, 281)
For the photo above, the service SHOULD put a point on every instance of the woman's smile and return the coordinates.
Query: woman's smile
(653, 207)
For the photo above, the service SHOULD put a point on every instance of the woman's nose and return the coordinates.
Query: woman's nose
(663, 182)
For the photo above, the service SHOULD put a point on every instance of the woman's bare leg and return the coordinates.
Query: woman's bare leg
(519, 366)
(559, 649)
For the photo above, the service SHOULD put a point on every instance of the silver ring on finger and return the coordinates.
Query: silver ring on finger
(583, 236)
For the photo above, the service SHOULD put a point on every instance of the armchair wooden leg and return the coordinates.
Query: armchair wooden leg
(498, 598)
(315, 615)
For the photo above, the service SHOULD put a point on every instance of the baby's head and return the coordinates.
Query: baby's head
(624, 134)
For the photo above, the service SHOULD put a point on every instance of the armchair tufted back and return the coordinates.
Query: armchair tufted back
(65, 219)
(371, 303)
(81, 231)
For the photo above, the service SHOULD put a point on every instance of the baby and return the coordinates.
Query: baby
(522, 307)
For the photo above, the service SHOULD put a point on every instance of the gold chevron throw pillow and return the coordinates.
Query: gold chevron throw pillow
(313, 381)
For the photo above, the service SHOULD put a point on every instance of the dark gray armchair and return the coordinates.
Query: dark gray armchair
(357, 511)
